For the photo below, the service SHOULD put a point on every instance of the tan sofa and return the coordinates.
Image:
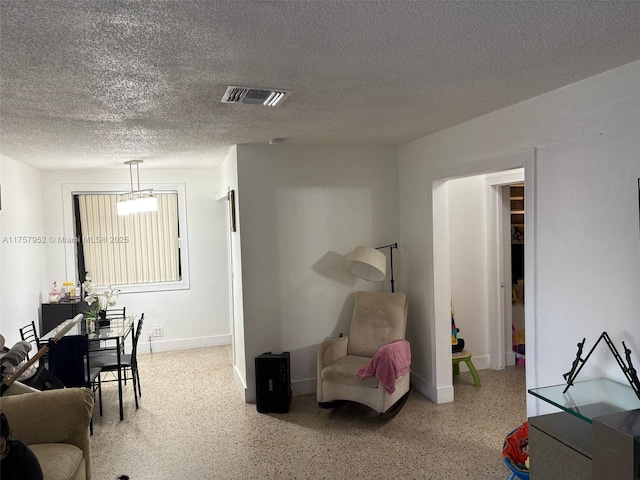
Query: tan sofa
(55, 425)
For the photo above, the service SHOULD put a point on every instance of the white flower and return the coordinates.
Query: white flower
(93, 298)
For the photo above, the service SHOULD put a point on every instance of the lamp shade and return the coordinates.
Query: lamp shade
(366, 263)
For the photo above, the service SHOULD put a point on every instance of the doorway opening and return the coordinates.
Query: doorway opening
(478, 236)
(498, 308)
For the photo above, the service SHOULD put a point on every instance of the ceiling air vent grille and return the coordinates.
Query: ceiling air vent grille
(255, 96)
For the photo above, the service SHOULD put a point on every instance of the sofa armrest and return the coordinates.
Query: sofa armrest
(52, 416)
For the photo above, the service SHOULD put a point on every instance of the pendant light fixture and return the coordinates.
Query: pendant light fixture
(137, 201)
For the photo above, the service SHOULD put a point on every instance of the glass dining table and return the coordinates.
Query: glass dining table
(108, 338)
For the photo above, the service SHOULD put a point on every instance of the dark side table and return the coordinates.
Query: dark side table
(595, 435)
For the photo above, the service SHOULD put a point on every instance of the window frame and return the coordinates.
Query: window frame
(71, 256)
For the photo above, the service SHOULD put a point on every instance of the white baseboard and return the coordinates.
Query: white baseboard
(298, 387)
(423, 387)
(444, 394)
(309, 386)
(241, 386)
(304, 387)
(250, 394)
(436, 395)
(182, 344)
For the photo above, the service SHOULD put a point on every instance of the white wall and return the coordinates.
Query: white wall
(303, 208)
(468, 243)
(229, 181)
(191, 318)
(587, 256)
(22, 259)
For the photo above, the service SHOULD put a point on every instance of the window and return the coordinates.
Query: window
(131, 249)
(137, 252)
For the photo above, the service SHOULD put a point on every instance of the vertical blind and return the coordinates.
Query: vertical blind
(130, 249)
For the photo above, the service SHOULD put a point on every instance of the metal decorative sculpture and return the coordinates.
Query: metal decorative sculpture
(627, 368)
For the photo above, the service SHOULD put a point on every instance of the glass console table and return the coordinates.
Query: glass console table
(591, 398)
(596, 434)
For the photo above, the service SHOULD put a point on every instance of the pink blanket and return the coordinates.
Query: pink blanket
(390, 362)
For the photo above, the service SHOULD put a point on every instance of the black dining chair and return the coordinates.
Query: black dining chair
(42, 379)
(97, 348)
(28, 333)
(108, 362)
(112, 314)
(116, 312)
(70, 363)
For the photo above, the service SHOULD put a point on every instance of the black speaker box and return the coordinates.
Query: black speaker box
(273, 382)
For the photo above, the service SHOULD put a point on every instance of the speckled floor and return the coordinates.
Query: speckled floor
(193, 424)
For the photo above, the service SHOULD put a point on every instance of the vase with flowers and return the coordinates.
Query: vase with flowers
(98, 301)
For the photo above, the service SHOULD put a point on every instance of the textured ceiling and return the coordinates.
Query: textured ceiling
(92, 84)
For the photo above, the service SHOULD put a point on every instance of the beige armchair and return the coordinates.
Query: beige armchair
(55, 425)
(378, 320)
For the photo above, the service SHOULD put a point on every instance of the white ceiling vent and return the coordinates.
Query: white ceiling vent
(255, 96)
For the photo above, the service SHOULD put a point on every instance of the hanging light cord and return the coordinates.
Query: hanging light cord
(138, 191)
(131, 178)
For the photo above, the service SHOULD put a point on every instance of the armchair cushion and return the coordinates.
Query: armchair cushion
(63, 461)
(389, 363)
(378, 318)
(344, 371)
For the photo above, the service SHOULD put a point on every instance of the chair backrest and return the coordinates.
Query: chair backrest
(68, 360)
(29, 334)
(134, 349)
(115, 313)
(378, 319)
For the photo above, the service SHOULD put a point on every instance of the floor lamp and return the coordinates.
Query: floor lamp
(370, 264)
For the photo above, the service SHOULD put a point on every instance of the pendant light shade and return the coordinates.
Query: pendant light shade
(138, 201)
(137, 205)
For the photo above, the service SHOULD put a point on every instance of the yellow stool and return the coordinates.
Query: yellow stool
(465, 356)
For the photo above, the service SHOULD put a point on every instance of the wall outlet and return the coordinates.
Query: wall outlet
(158, 331)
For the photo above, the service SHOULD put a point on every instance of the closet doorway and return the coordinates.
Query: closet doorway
(516, 251)
(506, 239)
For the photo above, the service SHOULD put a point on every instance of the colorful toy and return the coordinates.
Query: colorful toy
(515, 452)
(457, 344)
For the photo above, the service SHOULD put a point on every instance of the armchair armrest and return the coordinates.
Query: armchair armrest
(332, 350)
(328, 352)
